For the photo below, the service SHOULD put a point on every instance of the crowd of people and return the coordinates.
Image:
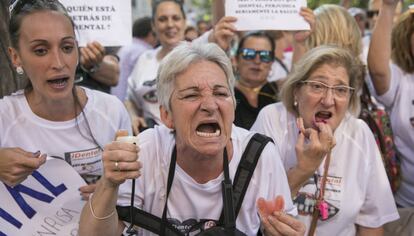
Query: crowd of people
(239, 133)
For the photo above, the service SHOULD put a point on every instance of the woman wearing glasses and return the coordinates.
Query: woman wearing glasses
(254, 59)
(332, 161)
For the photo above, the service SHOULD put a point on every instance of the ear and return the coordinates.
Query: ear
(166, 117)
(15, 58)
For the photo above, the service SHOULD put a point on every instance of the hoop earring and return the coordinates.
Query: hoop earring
(19, 70)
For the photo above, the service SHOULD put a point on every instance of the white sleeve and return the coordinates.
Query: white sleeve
(379, 206)
(388, 98)
(273, 179)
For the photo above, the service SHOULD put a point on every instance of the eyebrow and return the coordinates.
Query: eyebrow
(326, 79)
(197, 88)
(45, 41)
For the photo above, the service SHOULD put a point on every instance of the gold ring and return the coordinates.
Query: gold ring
(117, 166)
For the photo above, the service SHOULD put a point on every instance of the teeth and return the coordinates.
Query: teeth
(208, 135)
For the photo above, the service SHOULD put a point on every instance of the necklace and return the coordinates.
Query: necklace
(254, 89)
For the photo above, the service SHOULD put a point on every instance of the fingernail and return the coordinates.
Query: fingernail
(36, 153)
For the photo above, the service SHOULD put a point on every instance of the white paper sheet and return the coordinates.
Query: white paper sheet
(107, 21)
(267, 14)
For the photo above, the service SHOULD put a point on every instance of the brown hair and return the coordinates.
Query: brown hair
(401, 53)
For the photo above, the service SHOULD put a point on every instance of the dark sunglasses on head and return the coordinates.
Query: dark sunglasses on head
(249, 54)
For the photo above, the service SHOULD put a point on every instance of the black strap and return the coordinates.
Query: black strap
(242, 178)
(246, 169)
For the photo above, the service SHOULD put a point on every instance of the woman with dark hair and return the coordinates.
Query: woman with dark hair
(255, 55)
(169, 23)
(51, 115)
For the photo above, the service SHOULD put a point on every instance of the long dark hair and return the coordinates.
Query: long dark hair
(24, 8)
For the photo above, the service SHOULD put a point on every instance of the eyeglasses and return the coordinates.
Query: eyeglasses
(319, 88)
(249, 54)
(17, 5)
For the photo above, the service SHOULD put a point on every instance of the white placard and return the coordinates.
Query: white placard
(48, 202)
(107, 21)
(267, 14)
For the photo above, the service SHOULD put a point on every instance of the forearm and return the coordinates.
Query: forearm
(296, 179)
(299, 49)
(108, 72)
(365, 231)
(380, 50)
(217, 8)
(103, 204)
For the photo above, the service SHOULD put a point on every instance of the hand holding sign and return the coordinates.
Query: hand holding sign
(16, 164)
(223, 32)
(275, 221)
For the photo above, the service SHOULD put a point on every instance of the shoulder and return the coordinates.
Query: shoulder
(9, 105)
(156, 143)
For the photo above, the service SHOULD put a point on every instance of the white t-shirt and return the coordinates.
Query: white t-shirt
(357, 189)
(399, 102)
(68, 140)
(142, 87)
(189, 202)
(278, 72)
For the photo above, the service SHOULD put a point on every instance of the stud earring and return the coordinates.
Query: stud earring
(19, 70)
(295, 103)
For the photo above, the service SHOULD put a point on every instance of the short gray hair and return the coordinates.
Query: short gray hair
(314, 59)
(180, 58)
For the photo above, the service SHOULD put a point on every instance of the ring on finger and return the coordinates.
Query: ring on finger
(117, 166)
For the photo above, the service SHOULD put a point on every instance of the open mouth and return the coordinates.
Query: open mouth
(58, 83)
(323, 116)
(208, 130)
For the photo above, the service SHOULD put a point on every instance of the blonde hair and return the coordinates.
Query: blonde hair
(334, 25)
(314, 59)
(401, 53)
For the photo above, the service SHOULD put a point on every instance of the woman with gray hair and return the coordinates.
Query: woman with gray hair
(333, 164)
(195, 84)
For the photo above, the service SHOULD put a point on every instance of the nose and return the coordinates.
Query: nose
(208, 104)
(257, 58)
(170, 22)
(57, 60)
(328, 97)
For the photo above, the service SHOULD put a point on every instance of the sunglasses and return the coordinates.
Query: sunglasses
(250, 54)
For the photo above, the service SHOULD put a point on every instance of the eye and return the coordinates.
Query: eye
(177, 18)
(40, 51)
(190, 96)
(67, 48)
(222, 94)
(341, 90)
(317, 86)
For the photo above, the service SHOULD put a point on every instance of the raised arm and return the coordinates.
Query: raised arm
(300, 37)
(101, 67)
(99, 216)
(380, 48)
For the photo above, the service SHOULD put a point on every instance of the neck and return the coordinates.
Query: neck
(56, 110)
(202, 168)
(163, 52)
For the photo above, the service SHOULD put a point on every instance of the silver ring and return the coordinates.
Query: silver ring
(117, 166)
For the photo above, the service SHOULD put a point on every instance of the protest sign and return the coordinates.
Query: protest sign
(107, 21)
(267, 14)
(48, 202)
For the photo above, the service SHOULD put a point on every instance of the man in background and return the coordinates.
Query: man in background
(143, 39)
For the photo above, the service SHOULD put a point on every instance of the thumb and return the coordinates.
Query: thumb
(261, 207)
(121, 133)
